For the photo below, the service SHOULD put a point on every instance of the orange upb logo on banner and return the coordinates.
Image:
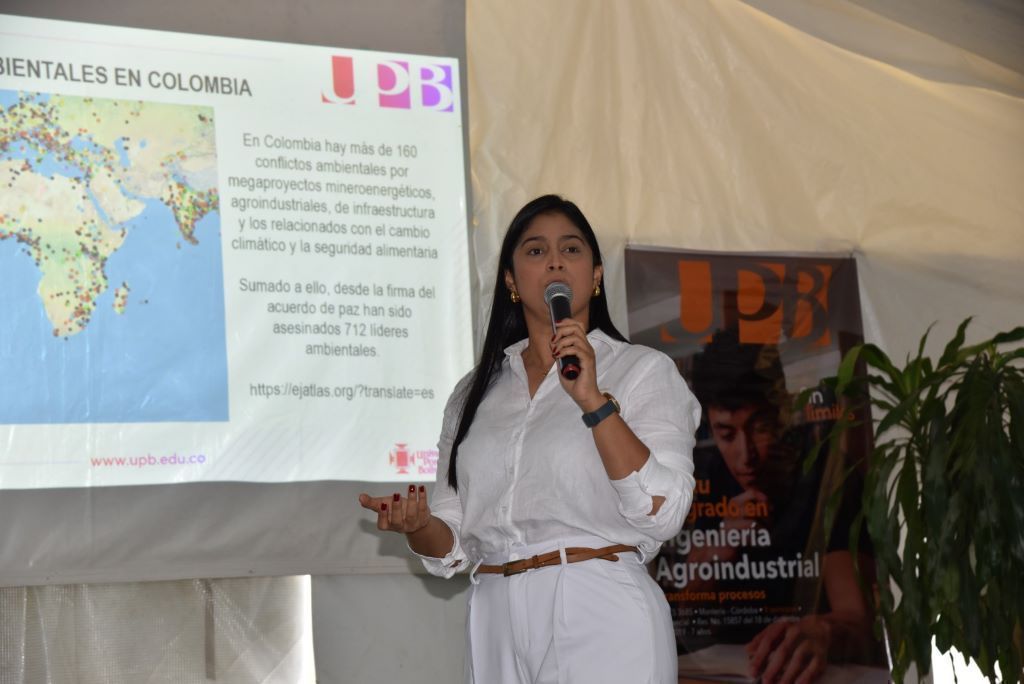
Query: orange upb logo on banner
(765, 301)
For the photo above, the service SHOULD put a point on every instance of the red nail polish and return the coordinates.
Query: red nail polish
(412, 489)
(384, 507)
(423, 489)
(397, 497)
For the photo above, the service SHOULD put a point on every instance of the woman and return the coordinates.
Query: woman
(591, 499)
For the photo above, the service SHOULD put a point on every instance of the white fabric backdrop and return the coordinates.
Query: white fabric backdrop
(785, 127)
(232, 631)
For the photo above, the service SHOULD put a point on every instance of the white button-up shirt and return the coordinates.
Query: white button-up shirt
(529, 470)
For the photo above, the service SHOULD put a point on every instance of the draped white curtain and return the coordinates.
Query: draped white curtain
(191, 631)
(895, 134)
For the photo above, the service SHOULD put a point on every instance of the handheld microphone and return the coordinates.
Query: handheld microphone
(558, 297)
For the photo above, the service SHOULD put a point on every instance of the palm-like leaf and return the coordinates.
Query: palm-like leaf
(944, 497)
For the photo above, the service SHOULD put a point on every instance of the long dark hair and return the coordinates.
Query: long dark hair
(507, 325)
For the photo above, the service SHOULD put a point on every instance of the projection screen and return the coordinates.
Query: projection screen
(231, 272)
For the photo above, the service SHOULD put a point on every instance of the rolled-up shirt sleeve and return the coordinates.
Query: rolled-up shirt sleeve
(663, 413)
(444, 501)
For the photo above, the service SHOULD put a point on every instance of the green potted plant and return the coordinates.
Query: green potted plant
(943, 498)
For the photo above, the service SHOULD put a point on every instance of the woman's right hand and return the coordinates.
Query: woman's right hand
(397, 513)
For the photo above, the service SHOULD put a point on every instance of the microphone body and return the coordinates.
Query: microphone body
(559, 300)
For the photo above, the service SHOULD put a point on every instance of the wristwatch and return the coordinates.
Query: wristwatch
(606, 409)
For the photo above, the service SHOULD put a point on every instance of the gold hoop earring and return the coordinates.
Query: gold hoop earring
(514, 296)
(597, 290)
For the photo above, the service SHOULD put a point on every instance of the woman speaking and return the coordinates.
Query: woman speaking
(567, 459)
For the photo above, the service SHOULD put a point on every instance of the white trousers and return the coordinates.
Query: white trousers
(587, 623)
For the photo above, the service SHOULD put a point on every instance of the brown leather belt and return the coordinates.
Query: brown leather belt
(572, 555)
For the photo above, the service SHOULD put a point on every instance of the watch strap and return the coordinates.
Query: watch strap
(606, 409)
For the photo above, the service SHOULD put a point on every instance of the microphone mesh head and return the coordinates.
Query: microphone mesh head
(557, 289)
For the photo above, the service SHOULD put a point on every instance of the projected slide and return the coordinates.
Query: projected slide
(225, 259)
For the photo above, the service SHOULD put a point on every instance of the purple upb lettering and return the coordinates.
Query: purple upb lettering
(436, 87)
(393, 84)
(400, 84)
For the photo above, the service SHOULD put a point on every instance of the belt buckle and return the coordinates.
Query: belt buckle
(507, 571)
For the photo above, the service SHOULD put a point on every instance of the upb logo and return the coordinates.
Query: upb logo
(764, 300)
(392, 83)
(404, 460)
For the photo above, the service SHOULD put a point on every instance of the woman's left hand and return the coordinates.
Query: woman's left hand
(570, 339)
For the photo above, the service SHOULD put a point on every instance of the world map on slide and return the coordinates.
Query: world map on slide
(111, 275)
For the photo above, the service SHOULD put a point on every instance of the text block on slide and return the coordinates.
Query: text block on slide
(225, 260)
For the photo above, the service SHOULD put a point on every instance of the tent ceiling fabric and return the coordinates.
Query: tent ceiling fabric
(749, 126)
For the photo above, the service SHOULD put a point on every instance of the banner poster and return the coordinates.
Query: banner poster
(753, 581)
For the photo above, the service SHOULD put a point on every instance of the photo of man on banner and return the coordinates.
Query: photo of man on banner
(757, 587)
